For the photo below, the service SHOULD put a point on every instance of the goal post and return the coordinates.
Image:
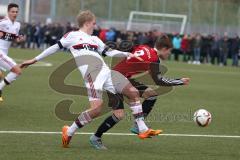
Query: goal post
(177, 16)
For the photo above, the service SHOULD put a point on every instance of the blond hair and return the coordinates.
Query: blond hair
(85, 16)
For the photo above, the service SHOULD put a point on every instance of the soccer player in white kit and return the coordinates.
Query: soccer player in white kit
(87, 51)
(9, 30)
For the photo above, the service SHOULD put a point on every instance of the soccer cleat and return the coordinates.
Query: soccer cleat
(155, 132)
(1, 98)
(149, 133)
(97, 143)
(65, 138)
(134, 130)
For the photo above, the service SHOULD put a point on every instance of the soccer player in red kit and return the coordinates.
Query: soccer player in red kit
(145, 59)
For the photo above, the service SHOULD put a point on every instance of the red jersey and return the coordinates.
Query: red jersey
(131, 66)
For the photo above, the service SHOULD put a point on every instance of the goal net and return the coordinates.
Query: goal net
(145, 21)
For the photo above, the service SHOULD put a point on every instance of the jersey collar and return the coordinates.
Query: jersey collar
(10, 20)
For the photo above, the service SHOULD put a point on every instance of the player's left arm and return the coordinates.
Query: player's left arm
(49, 51)
(164, 81)
(64, 42)
(114, 53)
(104, 50)
(19, 37)
(1, 26)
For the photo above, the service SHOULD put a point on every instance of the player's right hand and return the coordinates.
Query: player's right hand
(27, 63)
(1, 34)
(186, 81)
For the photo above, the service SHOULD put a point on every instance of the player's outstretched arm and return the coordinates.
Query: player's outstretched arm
(185, 81)
(49, 51)
(27, 63)
(104, 50)
(115, 53)
(163, 81)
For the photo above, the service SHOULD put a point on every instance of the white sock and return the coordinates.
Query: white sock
(72, 129)
(2, 84)
(138, 115)
(9, 78)
(142, 127)
(82, 120)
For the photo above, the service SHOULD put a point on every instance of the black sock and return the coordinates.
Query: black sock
(148, 104)
(106, 125)
(6, 82)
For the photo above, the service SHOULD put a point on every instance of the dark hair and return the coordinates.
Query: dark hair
(12, 5)
(163, 41)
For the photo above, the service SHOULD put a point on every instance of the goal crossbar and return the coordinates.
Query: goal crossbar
(180, 16)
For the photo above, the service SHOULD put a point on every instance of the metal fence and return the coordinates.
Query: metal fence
(205, 16)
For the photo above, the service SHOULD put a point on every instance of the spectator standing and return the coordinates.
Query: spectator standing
(197, 49)
(224, 49)
(215, 50)
(235, 50)
(185, 48)
(176, 46)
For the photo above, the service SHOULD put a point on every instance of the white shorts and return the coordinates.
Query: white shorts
(6, 62)
(109, 80)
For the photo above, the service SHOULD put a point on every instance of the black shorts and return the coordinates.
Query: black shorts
(115, 101)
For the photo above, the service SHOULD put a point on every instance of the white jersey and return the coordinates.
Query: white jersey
(86, 50)
(10, 31)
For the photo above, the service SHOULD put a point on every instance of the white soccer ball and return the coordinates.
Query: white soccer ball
(202, 117)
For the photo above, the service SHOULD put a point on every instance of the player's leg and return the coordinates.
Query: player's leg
(9, 64)
(83, 119)
(150, 97)
(94, 89)
(1, 75)
(116, 103)
(122, 85)
(108, 123)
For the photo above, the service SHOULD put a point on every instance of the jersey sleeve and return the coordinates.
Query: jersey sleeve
(101, 46)
(2, 24)
(65, 41)
(155, 71)
(47, 52)
(18, 29)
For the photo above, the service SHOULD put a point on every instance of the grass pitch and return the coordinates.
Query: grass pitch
(29, 105)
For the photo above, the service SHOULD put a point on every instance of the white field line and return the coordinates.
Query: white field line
(121, 134)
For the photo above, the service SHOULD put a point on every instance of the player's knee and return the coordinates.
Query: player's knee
(119, 114)
(149, 93)
(133, 93)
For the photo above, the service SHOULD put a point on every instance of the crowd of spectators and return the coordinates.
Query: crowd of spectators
(195, 48)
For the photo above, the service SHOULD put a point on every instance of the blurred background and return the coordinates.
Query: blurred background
(206, 16)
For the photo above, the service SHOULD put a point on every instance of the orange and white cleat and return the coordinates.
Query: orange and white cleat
(155, 132)
(1, 99)
(65, 138)
(149, 133)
